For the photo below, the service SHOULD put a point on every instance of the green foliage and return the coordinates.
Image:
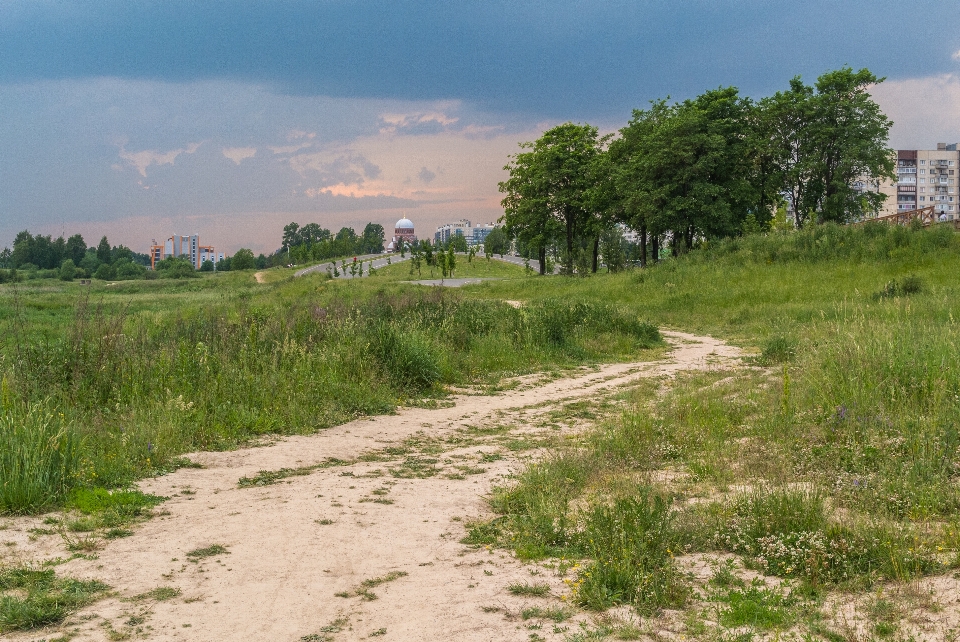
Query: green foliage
(630, 544)
(174, 267)
(39, 460)
(32, 598)
(758, 607)
(105, 272)
(911, 284)
(125, 503)
(68, 271)
(243, 259)
(409, 358)
(207, 266)
(778, 349)
(313, 243)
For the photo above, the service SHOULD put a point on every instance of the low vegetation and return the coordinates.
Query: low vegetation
(120, 387)
(824, 464)
(829, 463)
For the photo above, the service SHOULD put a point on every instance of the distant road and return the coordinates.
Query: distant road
(380, 260)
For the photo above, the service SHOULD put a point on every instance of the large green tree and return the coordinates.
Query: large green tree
(373, 238)
(827, 140)
(548, 188)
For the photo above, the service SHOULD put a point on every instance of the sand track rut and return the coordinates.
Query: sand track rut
(393, 508)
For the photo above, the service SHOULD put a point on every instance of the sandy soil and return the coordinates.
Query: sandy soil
(294, 545)
(259, 277)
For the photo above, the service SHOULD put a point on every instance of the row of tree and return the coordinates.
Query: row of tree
(39, 255)
(314, 243)
(714, 166)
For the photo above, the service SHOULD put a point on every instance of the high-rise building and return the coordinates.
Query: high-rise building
(925, 177)
(475, 235)
(187, 247)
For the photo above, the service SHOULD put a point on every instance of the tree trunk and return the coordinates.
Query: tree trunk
(596, 252)
(643, 246)
(569, 260)
(542, 255)
(655, 248)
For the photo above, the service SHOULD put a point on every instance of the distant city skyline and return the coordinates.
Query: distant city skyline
(132, 120)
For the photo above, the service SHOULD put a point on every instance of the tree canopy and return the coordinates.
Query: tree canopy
(712, 166)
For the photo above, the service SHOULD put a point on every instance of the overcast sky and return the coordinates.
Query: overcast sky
(231, 118)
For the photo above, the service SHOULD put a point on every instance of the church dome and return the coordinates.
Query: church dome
(404, 224)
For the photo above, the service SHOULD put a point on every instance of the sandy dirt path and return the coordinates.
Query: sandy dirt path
(259, 277)
(397, 512)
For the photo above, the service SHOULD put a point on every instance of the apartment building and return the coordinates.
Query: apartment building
(475, 235)
(187, 247)
(925, 178)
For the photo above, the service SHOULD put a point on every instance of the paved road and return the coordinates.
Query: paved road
(380, 260)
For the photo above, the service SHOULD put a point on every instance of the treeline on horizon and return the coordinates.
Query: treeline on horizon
(711, 167)
(42, 257)
(39, 256)
(314, 243)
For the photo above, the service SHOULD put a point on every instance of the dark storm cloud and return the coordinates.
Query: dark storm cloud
(567, 58)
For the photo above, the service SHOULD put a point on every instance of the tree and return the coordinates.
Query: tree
(458, 242)
(243, 259)
(496, 242)
(106, 272)
(76, 249)
(6, 258)
(373, 238)
(611, 246)
(127, 270)
(825, 139)
(206, 266)
(174, 267)
(451, 259)
(68, 271)
(103, 250)
(291, 236)
(547, 192)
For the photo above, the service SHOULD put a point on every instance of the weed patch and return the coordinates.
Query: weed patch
(32, 598)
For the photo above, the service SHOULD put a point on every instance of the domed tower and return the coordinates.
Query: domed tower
(402, 230)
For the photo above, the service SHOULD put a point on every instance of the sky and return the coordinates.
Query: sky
(140, 119)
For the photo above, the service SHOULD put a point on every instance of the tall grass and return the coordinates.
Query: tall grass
(847, 436)
(39, 458)
(142, 387)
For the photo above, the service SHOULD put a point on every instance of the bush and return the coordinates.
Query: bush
(105, 272)
(38, 461)
(911, 284)
(630, 542)
(68, 271)
(778, 349)
(409, 359)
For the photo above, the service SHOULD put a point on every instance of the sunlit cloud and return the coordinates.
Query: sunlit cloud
(147, 158)
(239, 154)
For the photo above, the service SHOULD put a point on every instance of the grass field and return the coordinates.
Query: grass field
(832, 462)
(479, 267)
(829, 461)
(116, 381)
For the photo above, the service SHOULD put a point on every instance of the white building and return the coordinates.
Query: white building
(402, 230)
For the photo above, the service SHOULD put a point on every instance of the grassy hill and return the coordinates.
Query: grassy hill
(830, 460)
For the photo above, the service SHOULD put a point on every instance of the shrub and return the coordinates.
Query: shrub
(778, 349)
(68, 271)
(911, 284)
(38, 460)
(409, 359)
(630, 544)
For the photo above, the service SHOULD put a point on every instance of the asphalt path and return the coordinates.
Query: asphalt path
(380, 260)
